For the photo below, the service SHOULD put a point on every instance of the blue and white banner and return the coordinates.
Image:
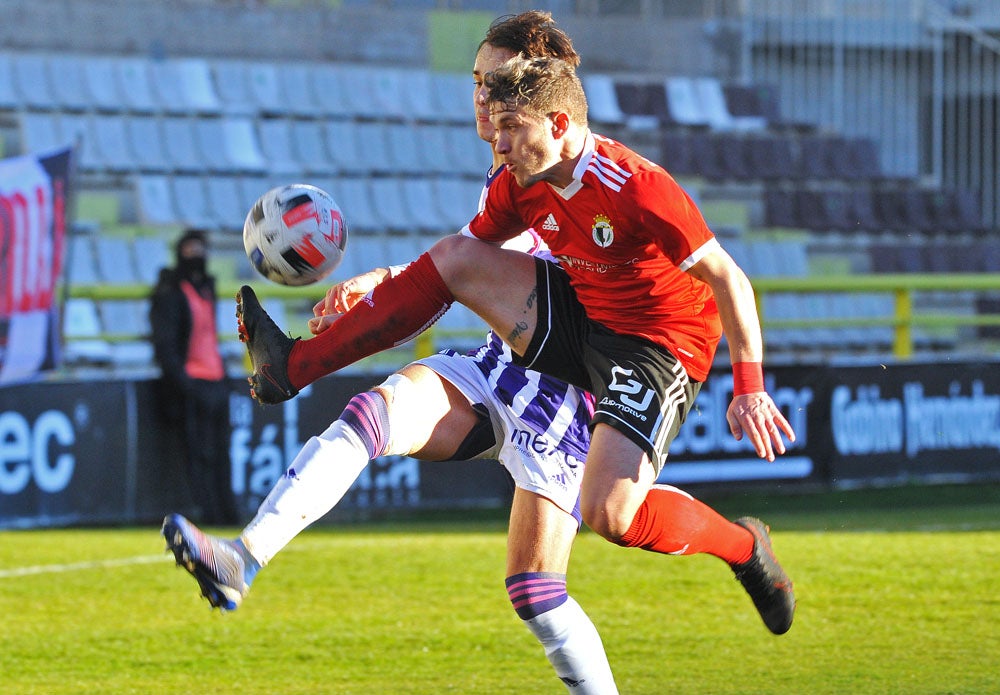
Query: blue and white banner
(33, 195)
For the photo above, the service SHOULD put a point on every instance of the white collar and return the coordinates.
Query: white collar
(579, 170)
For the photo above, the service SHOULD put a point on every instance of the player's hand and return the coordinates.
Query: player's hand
(756, 416)
(341, 297)
(318, 324)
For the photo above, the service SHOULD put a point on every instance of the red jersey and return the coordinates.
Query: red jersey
(626, 232)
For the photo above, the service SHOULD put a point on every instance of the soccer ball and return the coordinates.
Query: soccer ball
(295, 234)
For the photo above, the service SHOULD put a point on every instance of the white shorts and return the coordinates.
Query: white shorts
(534, 458)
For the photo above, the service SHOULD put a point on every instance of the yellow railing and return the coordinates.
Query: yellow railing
(903, 287)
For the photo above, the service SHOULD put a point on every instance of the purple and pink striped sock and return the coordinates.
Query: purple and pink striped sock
(534, 593)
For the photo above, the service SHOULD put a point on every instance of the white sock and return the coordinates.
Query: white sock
(318, 478)
(574, 649)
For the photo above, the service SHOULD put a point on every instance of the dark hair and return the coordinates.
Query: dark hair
(533, 33)
(190, 235)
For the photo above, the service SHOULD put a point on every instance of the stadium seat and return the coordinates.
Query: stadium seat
(191, 202)
(453, 97)
(182, 148)
(862, 209)
(154, 200)
(115, 260)
(101, 83)
(731, 151)
(226, 203)
(862, 159)
(421, 204)
(81, 326)
(470, 156)
(373, 143)
(391, 207)
(418, 97)
(644, 104)
(310, 148)
(295, 92)
(343, 142)
(957, 210)
(373, 91)
(78, 129)
(705, 154)
(150, 254)
(241, 147)
(457, 200)
(404, 148)
(602, 101)
(135, 84)
(329, 90)
(69, 81)
(677, 155)
(265, 88)
(82, 265)
(751, 100)
(815, 157)
(433, 148)
(365, 252)
(771, 158)
(355, 199)
(183, 86)
(780, 208)
(275, 137)
(253, 186)
(232, 84)
(709, 95)
(684, 104)
(824, 210)
(146, 142)
(9, 98)
(39, 132)
(111, 141)
(210, 142)
(388, 86)
(32, 81)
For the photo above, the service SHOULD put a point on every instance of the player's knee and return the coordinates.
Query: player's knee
(367, 415)
(457, 259)
(606, 520)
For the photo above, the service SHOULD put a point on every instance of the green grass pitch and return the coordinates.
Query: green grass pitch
(897, 593)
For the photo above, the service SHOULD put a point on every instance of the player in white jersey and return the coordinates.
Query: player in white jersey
(447, 407)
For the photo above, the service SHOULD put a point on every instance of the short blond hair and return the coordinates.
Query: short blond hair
(540, 86)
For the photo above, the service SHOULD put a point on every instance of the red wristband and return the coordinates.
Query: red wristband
(748, 377)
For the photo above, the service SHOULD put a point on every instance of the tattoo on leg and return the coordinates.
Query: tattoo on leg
(519, 328)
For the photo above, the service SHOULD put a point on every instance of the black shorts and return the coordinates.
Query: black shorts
(640, 388)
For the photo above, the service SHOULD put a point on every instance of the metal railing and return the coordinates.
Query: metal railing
(909, 311)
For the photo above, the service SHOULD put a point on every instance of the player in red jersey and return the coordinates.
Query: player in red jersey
(634, 316)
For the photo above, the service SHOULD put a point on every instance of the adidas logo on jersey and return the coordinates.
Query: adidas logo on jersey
(551, 224)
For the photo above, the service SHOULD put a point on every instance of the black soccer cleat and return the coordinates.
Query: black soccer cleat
(268, 348)
(764, 579)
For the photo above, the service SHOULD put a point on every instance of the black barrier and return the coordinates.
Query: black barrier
(927, 422)
(97, 452)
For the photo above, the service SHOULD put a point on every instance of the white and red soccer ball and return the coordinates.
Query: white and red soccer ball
(295, 234)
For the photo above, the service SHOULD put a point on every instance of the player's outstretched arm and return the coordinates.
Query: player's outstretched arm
(752, 412)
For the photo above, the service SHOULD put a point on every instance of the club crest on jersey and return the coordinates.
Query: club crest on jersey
(603, 232)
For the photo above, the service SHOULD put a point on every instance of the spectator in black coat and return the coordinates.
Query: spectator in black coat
(195, 394)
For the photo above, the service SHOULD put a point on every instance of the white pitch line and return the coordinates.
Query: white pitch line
(81, 566)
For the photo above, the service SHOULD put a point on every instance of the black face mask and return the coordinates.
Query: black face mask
(192, 268)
